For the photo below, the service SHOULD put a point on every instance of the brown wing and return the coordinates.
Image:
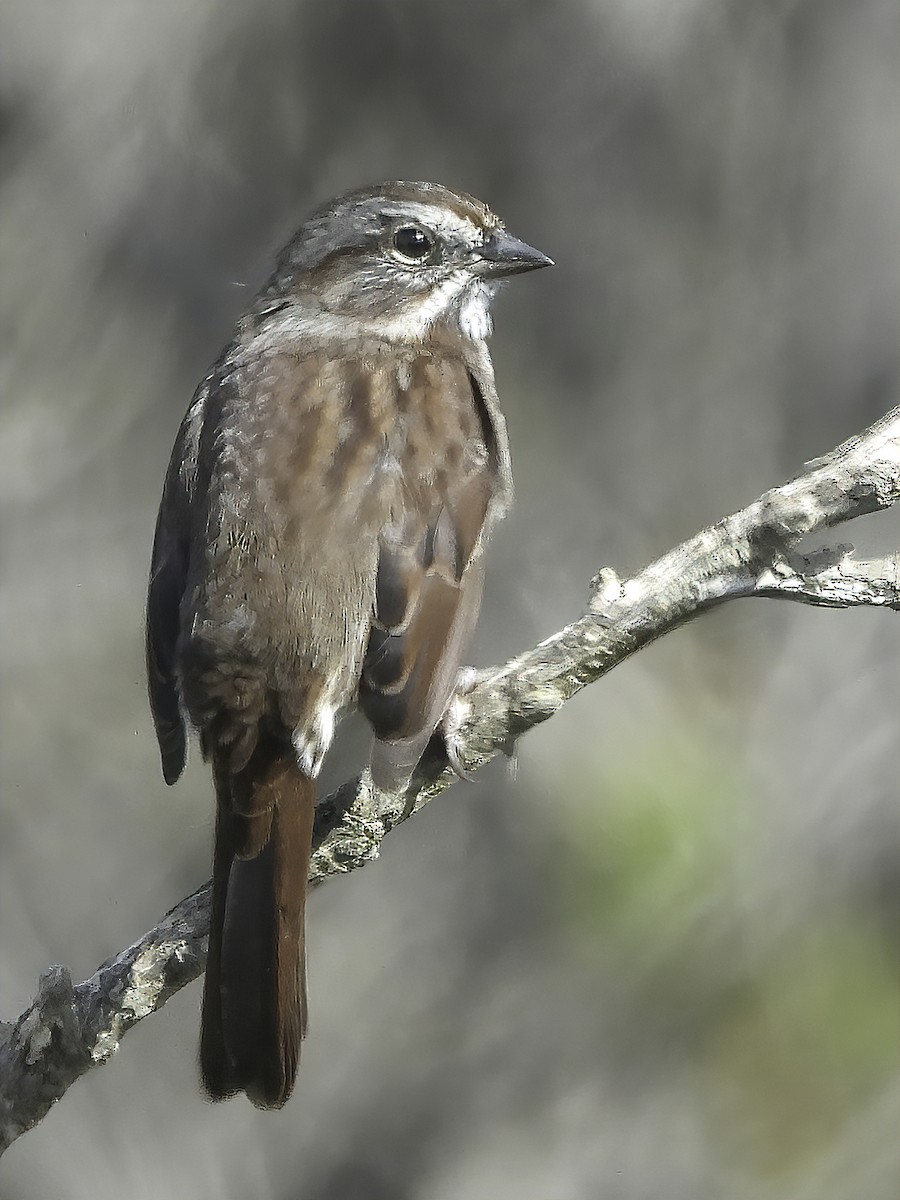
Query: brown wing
(428, 592)
(168, 578)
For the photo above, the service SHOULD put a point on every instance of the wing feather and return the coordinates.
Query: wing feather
(168, 580)
(428, 592)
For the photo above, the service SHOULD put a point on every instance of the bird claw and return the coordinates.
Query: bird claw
(451, 724)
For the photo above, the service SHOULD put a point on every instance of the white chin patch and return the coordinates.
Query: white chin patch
(474, 311)
(459, 297)
(311, 744)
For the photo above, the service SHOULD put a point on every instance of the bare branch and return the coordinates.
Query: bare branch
(754, 552)
(834, 579)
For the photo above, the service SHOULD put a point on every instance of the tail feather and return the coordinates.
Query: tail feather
(254, 999)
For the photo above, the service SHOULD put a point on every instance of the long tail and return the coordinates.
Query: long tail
(254, 996)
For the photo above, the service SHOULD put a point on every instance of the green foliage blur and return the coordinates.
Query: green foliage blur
(792, 1032)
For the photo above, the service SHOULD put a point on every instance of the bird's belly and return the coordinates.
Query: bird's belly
(274, 633)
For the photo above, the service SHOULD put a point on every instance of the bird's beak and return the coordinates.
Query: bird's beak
(503, 254)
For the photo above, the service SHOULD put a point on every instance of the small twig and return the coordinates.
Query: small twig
(834, 579)
(754, 552)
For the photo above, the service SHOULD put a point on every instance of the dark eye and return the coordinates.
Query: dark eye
(412, 241)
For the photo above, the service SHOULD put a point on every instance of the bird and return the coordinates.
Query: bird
(319, 547)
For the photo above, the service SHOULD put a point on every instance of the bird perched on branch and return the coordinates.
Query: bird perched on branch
(319, 546)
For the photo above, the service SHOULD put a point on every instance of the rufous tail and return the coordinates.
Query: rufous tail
(254, 996)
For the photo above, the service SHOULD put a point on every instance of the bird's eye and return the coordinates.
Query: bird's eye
(414, 242)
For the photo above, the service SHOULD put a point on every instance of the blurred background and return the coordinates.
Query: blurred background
(662, 963)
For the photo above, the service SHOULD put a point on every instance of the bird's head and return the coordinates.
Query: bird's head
(398, 259)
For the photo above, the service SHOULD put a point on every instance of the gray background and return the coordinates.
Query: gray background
(662, 963)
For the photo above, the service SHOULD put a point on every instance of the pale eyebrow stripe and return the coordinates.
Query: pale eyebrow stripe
(434, 217)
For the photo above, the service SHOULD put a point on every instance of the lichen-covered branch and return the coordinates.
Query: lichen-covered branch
(755, 552)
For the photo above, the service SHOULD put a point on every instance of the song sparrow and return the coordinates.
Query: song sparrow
(318, 545)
